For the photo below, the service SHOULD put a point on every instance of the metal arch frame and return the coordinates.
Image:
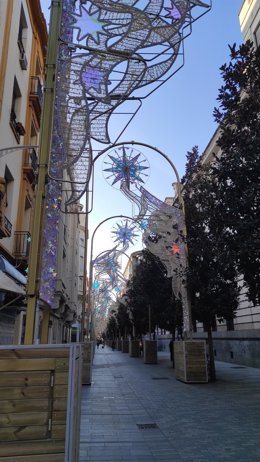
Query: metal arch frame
(91, 266)
(180, 199)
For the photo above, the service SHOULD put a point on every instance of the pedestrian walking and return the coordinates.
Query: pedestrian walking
(171, 349)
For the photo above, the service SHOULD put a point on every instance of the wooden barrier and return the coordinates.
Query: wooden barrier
(40, 392)
(88, 352)
(190, 361)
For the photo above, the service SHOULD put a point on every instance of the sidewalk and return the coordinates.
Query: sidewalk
(136, 412)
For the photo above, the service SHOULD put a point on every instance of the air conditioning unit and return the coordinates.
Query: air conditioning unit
(23, 61)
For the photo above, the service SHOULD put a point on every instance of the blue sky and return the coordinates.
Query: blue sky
(176, 117)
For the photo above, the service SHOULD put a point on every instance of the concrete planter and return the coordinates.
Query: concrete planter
(134, 348)
(125, 346)
(150, 351)
(191, 361)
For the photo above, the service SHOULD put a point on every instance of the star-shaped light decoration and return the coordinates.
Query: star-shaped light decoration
(93, 77)
(126, 165)
(175, 249)
(88, 25)
(124, 233)
(174, 12)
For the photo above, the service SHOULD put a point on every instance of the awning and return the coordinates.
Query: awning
(10, 270)
(7, 284)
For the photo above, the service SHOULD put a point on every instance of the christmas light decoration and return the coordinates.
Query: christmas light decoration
(110, 52)
(125, 164)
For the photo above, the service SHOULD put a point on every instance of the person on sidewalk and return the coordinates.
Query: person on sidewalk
(171, 349)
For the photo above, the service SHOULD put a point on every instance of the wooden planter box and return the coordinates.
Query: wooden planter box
(150, 351)
(87, 362)
(190, 360)
(40, 398)
(125, 346)
(134, 348)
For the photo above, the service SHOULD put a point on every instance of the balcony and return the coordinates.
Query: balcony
(36, 96)
(22, 245)
(30, 166)
(5, 226)
(16, 126)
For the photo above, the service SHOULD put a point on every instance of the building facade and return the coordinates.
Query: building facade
(240, 342)
(23, 43)
(23, 48)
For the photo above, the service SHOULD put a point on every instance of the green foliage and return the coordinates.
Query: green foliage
(111, 329)
(123, 320)
(238, 169)
(222, 199)
(211, 274)
(150, 286)
(192, 164)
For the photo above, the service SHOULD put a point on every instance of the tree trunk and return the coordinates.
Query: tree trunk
(212, 370)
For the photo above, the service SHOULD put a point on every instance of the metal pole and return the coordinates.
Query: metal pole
(84, 292)
(150, 322)
(44, 157)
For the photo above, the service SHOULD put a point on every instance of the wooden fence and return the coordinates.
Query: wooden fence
(40, 392)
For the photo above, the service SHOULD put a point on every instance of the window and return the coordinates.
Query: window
(22, 35)
(16, 126)
(9, 179)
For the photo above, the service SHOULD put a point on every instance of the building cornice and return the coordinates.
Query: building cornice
(38, 20)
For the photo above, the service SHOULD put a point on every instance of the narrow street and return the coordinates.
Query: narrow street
(135, 412)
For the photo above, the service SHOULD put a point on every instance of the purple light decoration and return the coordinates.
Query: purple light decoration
(125, 234)
(126, 167)
(173, 12)
(88, 25)
(53, 190)
(92, 77)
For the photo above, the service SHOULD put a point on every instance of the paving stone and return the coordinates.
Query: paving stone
(216, 422)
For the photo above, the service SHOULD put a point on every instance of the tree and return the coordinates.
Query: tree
(123, 320)
(150, 286)
(238, 169)
(211, 275)
(112, 328)
(192, 164)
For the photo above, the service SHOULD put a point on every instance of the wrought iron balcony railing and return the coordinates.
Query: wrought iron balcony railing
(5, 226)
(36, 95)
(31, 164)
(22, 244)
